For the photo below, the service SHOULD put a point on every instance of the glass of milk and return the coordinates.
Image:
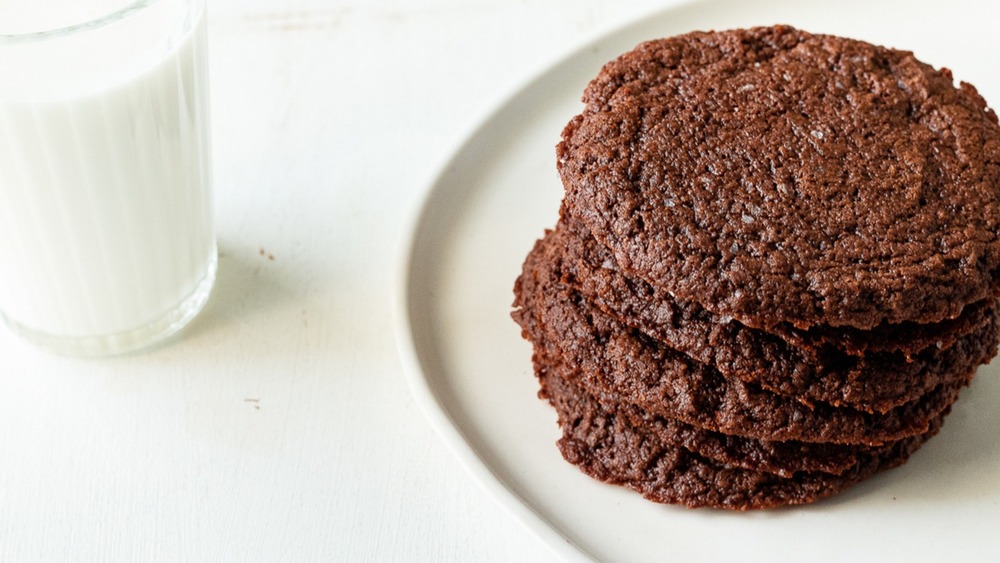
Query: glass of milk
(106, 229)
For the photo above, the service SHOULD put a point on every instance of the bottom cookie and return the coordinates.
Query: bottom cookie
(607, 446)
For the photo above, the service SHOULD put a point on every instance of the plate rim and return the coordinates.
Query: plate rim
(427, 401)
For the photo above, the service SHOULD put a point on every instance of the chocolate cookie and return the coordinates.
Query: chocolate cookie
(783, 458)
(774, 176)
(613, 449)
(811, 369)
(908, 338)
(613, 359)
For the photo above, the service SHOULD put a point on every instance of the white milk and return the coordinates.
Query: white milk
(105, 200)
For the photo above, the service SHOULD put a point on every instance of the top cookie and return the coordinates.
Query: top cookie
(772, 176)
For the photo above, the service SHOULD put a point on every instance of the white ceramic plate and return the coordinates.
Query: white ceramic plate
(470, 370)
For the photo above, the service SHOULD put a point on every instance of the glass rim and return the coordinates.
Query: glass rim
(72, 29)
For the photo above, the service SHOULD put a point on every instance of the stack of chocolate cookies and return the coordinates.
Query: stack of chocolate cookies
(776, 265)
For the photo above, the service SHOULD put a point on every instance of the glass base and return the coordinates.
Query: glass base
(165, 326)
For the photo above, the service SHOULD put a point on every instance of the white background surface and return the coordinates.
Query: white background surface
(279, 426)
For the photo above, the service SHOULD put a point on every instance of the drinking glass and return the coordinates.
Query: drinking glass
(107, 241)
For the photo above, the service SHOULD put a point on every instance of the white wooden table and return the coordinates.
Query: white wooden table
(279, 426)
